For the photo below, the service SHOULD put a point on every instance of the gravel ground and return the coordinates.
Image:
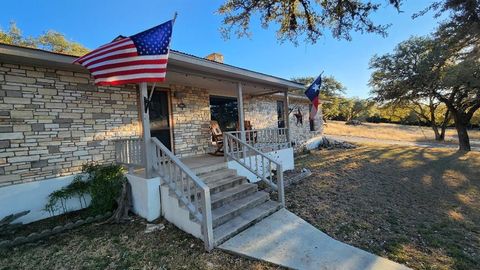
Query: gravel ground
(416, 206)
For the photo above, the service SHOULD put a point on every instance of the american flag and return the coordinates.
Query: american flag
(312, 93)
(139, 58)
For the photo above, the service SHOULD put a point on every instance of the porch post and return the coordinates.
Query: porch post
(241, 117)
(146, 130)
(286, 111)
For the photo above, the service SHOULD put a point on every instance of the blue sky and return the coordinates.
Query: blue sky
(94, 23)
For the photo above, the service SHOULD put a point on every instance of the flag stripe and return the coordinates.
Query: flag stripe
(142, 57)
(129, 59)
(120, 82)
(109, 50)
(110, 54)
(112, 57)
(129, 67)
(130, 63)
(130, 72)
(131, 76)
(104, 47)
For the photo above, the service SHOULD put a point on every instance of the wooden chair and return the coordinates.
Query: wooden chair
(217, 136)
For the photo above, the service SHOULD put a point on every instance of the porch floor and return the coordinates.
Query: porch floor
(204, 163)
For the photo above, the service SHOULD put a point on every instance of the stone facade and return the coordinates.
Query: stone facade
(262, 113)
(191, 125)
(53, 121)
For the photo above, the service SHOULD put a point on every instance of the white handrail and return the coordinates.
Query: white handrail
(265, 139)
(187, 186)
(256, 162)
(129, 152)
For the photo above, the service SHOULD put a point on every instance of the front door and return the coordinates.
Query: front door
(159, 112)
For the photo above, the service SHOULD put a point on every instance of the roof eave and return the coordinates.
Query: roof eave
(62, 61)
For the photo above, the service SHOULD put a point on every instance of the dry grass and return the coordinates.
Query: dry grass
(123, 246)
(384, 131)
(417, 206)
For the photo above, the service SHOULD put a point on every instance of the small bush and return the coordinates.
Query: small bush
(102, 182)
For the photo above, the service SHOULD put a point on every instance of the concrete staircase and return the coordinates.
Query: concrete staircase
(236, 203)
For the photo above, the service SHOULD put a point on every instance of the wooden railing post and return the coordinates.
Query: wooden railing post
(146, 130)
(281, 192)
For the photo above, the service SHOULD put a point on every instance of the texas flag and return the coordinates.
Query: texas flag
(312, 94)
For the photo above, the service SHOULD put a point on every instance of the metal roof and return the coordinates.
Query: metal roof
(178, 61)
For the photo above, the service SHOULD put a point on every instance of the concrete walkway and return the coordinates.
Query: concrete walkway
(287, 240)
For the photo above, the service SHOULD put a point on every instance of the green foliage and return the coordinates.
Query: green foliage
(311, 19)
(103, 183)
(50, 40)
(303, 17)
(56, 42)
(14, 37)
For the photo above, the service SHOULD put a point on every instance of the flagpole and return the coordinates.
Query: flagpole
(144, 108)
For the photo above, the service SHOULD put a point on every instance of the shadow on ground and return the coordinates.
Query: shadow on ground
(417, 206)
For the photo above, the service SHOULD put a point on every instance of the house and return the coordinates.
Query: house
(54, 119)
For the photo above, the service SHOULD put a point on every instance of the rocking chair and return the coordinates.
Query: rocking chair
(217, 136)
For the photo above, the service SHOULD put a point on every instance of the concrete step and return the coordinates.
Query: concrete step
(233, 209)
(209, 168)
(216, 175)
(225, 183)
(231, 194)
(243, 220)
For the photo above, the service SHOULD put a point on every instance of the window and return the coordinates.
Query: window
(280, 114)
(224, 110)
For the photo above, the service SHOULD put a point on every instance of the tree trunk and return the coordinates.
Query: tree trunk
(461, 124)
(438, 135)
(441, 136)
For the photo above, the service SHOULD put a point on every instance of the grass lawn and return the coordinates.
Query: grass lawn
(123, 246)
(385, 131)
(416, 206)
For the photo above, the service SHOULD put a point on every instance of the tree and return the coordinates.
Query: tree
(56, 42)
(14, 37)
(50, 40)
(443, 68)
(434, 114)
(311, 18)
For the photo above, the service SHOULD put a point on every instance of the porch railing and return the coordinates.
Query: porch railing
(268, 139)
(189, 189)
(261, 165)
(129, 152)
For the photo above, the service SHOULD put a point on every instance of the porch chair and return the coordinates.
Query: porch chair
(217, 136)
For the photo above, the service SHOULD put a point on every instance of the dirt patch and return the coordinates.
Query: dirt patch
(416, 206)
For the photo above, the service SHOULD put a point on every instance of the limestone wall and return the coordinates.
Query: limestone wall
(262, 113)
(53, 121)
(191, 125)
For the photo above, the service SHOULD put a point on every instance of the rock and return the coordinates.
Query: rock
(79, 222)
(154, 227)
(19, 240)
(5, 243)
(353, 123)
(58, 229)
(334, 144)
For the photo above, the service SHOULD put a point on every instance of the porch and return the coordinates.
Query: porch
(211, 197)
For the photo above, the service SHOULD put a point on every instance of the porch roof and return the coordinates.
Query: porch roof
(180, 65)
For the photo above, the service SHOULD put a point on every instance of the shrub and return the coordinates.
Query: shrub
(102, 182)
